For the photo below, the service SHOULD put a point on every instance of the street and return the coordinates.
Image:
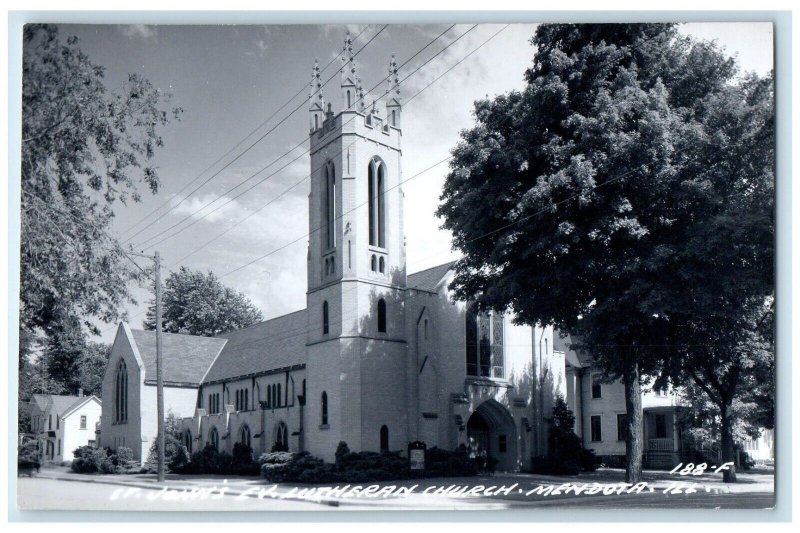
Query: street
(57, 488)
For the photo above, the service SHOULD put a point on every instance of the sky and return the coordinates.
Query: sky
(231, 79)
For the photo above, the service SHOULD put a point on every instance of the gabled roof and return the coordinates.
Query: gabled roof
(270, 345)
(40, 401)
(78, 404)
(429, 279)
(60, 403)
(186, 357)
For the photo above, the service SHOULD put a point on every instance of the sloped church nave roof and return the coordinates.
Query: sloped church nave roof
(270, 345)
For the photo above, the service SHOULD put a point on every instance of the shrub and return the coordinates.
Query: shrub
(88, 460)
(242, 463)
(566, 454)
(341, 450)
(440, 463)
(176, 456)
(360, 467)
(210, 461)
(120, 461)
(28, 457)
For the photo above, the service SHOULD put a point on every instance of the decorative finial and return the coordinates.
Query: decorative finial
(393, 79)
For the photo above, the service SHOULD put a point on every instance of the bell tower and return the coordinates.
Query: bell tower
(356, 270)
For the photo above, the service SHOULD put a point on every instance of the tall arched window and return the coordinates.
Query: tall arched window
(187, 441)
(382, 315)
(376, 182)
(213, 438)
(349, 103)
(121, 394)
(281, 438)
(330, 206)
(384, 438)
(325, 323)
(324, 408)
(280, 399)
(382, 265)
(244, 435)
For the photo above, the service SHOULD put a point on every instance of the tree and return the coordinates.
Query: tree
(84, 148)
(571, 200)
(199, 304)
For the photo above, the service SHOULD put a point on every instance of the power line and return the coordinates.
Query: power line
(250, 147)
(223, 156)
(148, 244)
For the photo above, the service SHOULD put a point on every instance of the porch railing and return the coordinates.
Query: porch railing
(661, 445)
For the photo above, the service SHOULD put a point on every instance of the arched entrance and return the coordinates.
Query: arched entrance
(491, 432)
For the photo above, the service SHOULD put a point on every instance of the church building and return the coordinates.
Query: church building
(379, 357)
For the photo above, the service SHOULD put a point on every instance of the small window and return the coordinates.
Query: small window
(622, 427)
(384, 439)
(373, 263)
(324, 408)
(382, 316)
(596, 429)
(325, 319)
(83, 421)
(382, 265)
(597, 387)
(49, 422)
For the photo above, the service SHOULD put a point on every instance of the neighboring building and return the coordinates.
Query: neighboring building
(377, 359)
(63, 423)
(600, 415)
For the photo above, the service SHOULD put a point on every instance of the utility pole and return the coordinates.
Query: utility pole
(159, 358)
(159, 370)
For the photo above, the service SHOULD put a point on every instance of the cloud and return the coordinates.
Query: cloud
(141, 31)
(210, 207)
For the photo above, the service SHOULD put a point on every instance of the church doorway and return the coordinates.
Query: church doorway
(492, 436)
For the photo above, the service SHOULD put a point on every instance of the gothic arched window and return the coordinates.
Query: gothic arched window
(330, 206)
(382, 315)
(280, 401)
(373, 263)
(376, 182)
(384, 439)
(213, 438)
(244, 436)
(281, 438)
(324, 408)
(121, 394)
(187, 441)
(325, 318)
(382, 265)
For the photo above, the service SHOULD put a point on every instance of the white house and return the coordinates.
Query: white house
(63, 423)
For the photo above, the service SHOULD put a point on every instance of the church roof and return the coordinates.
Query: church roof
(186, 357)
(270, 345)
(429, 279)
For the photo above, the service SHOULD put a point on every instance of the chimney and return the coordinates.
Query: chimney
(80, 392)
